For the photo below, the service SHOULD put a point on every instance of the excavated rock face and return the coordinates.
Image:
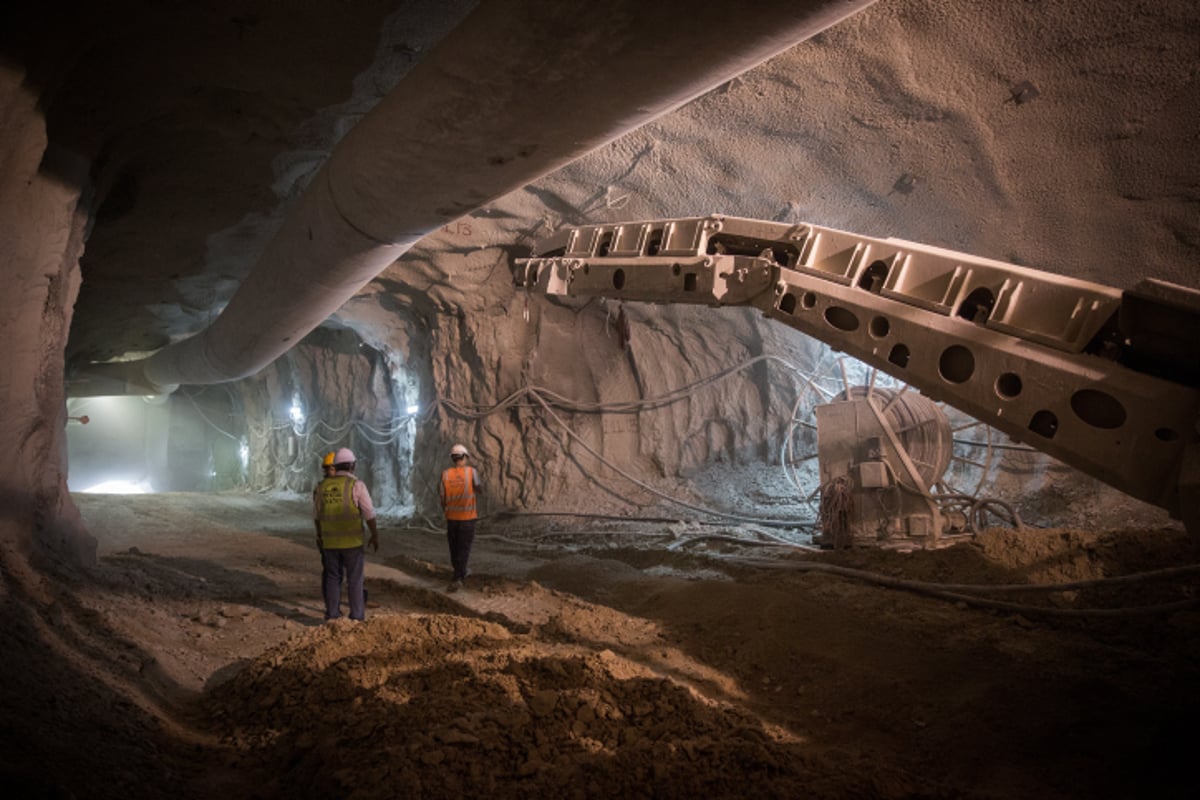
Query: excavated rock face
(1053, 135)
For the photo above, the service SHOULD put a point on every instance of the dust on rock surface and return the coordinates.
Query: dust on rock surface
(193, 661)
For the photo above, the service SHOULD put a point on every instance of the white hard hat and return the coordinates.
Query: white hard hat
(458, 450)
(344, 456)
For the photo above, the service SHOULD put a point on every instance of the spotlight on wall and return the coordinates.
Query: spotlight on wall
(296, 412)
(412, 410)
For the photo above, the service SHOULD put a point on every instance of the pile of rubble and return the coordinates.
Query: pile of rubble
(441, 705)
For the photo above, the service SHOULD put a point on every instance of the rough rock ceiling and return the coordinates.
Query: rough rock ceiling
(1057, 134)
(195, 121)
(180, 110)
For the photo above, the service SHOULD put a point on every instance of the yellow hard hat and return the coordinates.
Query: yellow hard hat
(327, 461)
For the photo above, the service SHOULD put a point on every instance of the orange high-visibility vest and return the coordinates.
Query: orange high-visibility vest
(458, 493)
(341, 521)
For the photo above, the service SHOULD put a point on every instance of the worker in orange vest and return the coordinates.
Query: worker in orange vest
(459, 488)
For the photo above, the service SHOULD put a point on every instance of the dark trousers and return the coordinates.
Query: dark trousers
(460, 534)
(335, 562)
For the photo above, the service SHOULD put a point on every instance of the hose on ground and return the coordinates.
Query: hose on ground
(957, 592)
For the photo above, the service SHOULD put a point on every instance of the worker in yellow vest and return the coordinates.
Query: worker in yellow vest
(459, 488)
(328, 471)
(341, 504)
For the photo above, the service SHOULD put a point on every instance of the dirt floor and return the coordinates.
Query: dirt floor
(591, 658)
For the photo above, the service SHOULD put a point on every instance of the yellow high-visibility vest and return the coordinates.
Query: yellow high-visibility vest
(341, 521)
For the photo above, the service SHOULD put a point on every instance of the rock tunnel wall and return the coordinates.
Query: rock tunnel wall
(346, 398)
(42, 228)
(457, 364)
(487, 365)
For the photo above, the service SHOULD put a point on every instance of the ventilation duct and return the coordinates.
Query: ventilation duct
(517, 90)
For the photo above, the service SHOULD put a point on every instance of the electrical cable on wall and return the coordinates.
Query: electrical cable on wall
(315, 433)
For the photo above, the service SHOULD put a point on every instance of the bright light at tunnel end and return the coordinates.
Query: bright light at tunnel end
(120, 487)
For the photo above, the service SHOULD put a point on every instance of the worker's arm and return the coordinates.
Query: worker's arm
(317, 515)
(362, 499)
(374, 540)
(477, 488)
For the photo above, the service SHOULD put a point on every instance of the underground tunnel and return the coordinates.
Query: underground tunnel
(829, 370)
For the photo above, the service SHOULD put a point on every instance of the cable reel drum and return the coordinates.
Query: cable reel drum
(880, 452)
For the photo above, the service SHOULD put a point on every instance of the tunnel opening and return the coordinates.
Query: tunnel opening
(155, 443)
(265, 433)
(334, 390)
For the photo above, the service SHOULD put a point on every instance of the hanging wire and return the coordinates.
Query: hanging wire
(324, 434)
(651, 489)
(211, 424)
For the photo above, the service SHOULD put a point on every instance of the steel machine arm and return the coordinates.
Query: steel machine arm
(1103, 379)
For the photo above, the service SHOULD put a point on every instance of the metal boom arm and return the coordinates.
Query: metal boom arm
(1102, 379)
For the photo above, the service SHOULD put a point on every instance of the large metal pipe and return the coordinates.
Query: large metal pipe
(516, 91)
